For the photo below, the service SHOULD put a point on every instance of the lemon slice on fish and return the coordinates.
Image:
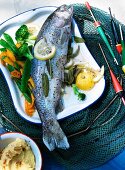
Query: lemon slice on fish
(43, 51)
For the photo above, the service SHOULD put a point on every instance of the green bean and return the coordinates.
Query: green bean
(25, 75)
(27, 94)
(11, 43)
(5, 45)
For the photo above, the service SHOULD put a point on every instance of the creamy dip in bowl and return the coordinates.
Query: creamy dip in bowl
(19, 152)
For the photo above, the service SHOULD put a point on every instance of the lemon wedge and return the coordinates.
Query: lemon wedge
(84, 81)
(43, 51)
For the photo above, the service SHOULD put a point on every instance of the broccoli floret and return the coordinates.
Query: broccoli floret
(22, 34)
(81, 96)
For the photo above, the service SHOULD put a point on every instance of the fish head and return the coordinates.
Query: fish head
(63, 16)
(61, 26)
(56, 30)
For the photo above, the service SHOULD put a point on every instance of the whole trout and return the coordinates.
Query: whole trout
(57, 31)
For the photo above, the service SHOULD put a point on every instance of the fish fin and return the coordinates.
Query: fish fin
(53, 136)
(52, 144)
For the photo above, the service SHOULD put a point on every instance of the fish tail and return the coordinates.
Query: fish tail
(53, 136)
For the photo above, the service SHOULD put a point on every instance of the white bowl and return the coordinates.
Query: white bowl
(7, 138)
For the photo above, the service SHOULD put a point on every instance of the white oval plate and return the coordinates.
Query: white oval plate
(7, 138)
(71, 103)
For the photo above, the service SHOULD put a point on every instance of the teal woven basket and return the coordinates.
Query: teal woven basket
(97, 133)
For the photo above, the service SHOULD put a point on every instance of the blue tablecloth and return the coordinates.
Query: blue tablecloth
(117, 163)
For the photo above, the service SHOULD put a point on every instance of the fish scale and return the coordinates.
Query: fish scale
(57, 31)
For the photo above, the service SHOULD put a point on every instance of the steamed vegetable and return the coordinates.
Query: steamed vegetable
(22, 34)
(30, 107)
(17, 56)
(11, 43)
(4, 44)
(26, 94)
(81, 96)
(21, 52)
(25, 75)
(25, 51)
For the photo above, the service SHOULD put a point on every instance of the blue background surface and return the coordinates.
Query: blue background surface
(117, 163)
